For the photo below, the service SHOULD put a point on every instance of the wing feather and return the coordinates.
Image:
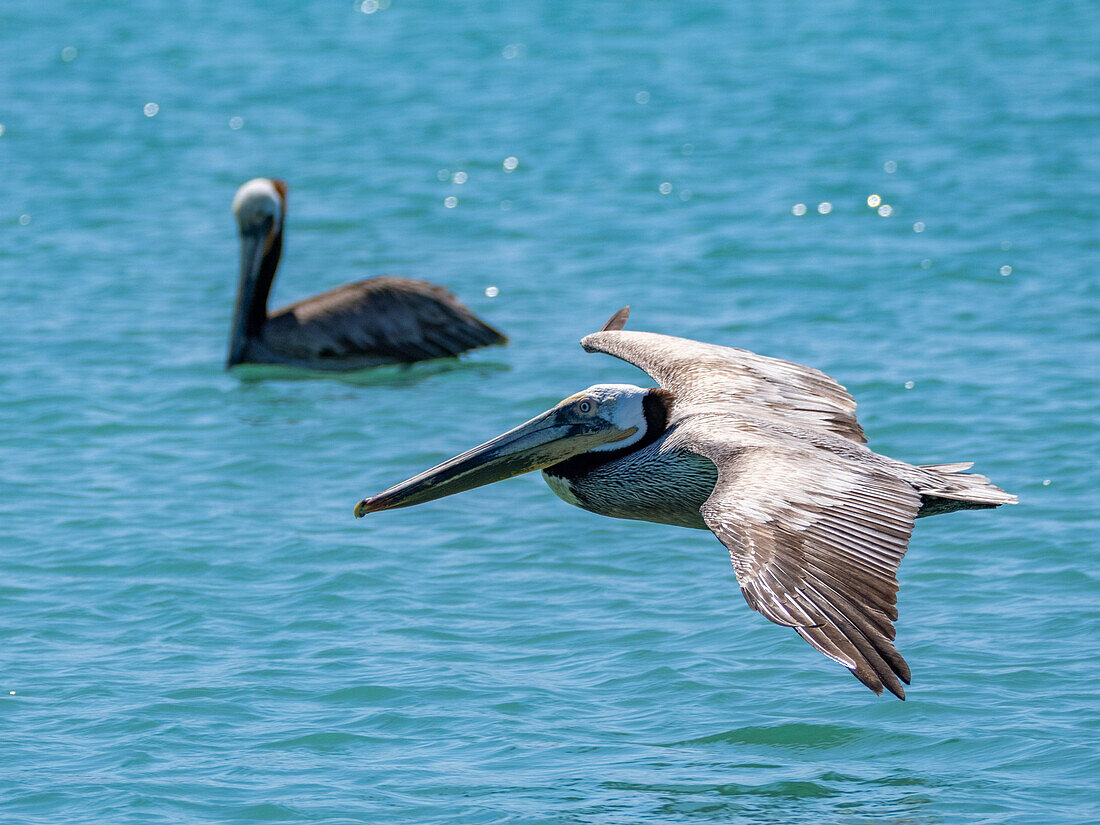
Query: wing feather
(709, 374)
(815, 540)
(393, 318)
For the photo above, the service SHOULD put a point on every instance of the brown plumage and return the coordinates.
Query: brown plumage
(766, 454)
(816, 523)
(369, 323)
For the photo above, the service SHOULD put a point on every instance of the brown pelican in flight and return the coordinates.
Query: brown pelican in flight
(766, 454)
(365, 324)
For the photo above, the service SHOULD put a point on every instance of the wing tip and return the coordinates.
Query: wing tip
(877, 669)
(495, 338)
(877, 680)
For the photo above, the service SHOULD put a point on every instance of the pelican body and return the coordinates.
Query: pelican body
(766, 454)
(364, 324)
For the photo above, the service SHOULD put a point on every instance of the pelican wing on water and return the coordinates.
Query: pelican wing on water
(766, 454)
(385, 317)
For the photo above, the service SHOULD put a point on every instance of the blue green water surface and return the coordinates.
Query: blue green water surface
(193, 627)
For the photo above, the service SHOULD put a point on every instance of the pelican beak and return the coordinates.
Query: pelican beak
(253, 247)
(541, 442)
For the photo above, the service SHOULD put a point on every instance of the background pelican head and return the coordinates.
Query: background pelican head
(604, 417)
(259, 207)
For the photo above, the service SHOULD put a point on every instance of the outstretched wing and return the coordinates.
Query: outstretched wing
(816, 541)
(703, 374)
(393, 318)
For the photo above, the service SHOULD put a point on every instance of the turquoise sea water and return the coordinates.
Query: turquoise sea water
(195, 629)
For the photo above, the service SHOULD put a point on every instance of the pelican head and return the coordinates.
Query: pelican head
(258, 206)
(604, 417)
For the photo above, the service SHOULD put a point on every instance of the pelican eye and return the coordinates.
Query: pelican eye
(586, 406)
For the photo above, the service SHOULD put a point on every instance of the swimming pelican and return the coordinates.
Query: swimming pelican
(766, 454)
(365, 324)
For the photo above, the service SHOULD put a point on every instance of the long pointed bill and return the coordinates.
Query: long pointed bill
(542, 441)
(253, 246)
